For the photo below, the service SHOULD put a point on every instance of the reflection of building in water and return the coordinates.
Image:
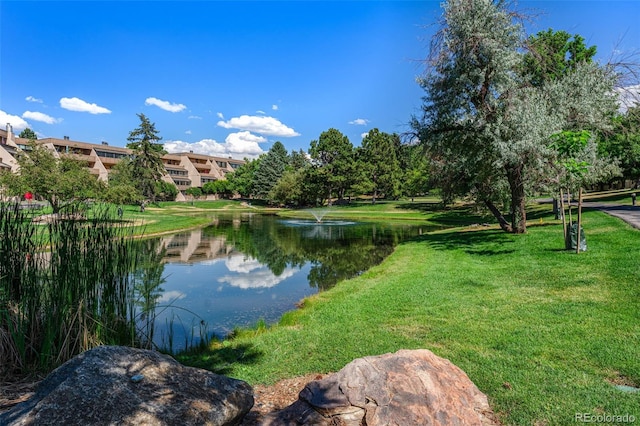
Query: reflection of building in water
(194, 246)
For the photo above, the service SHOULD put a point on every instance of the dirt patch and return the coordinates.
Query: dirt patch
(276, 397)
(13, 393)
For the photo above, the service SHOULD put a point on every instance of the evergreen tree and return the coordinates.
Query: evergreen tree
(379, 166)
(146, 161)
(553, 54)
(333, 157)
(270, 170)
(28, 134)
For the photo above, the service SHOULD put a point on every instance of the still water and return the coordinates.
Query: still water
(245, 268)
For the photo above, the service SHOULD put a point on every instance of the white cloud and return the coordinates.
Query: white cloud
(252, 274)
(171, 296)
(76, 104)
(237, 145)
(242, 264)
(165, 105)
(260, 112)
(628, 96)
(38, 116)
(16, 122)
(244, 144)
(188, 132)
(32, 99)
(263, 125)
(359, 122)
(364, 135)
(220, 116)
(194, 117)
(205, 146)
(274, 107)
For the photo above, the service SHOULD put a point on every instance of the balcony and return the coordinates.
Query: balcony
(109, 160)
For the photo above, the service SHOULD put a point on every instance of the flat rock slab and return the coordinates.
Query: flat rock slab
(114, 385)
(409, 387)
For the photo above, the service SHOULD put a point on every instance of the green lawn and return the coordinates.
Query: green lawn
(175, 216)
(545, 333)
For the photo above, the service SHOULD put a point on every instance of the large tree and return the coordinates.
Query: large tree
(486, 127)
(552, 55)
(333, 156)
(146, 161)
(378, 164)
(242, 179)
(121, 188)
(271, 168)
(28, 134)
(623, 143)
(61, 181)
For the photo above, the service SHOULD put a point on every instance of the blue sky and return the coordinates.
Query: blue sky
(231, 78)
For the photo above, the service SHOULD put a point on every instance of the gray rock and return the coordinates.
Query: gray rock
(114, 385)
(409, 387)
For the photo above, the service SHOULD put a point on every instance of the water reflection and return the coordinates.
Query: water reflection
(245, 268)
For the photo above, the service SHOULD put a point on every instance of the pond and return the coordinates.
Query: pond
(248, 268)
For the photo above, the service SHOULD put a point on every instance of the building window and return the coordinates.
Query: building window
(107, 154)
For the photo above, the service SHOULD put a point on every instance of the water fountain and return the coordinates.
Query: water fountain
(319, 214)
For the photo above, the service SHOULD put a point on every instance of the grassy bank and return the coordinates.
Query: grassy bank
(543, 332)
(176, 216)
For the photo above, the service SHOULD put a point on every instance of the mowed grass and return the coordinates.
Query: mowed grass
(424, 209)
(167, 217)
(545, 333)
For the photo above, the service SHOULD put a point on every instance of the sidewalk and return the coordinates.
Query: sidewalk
(630, 214)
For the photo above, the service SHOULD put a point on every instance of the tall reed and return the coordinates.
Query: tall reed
(64, 287)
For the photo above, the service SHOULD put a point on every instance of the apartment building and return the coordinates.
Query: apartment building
(184, 170)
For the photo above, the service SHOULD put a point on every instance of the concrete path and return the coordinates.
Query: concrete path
(628, 213)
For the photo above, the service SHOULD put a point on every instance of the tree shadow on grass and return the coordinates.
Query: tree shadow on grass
(220, 360)
(488, 242)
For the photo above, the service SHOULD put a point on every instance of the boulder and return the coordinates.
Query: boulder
(114, 385)
(409, 387)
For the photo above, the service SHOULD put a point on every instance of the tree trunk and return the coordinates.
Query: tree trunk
(501, 220)
(518, 200)
(55, 206)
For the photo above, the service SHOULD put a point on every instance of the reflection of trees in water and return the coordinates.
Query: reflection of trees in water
(147, 279)
(335, 252)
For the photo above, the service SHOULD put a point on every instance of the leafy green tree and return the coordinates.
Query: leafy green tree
(298, 160)
(333, 156)
(415, 179)
(195, 192)
(486, 127)
(242, 179)
(304, 191)
(121, 188)
(553, 54)
(288, 189)
(61, 181)
(165, 191)
(28, 134)
(271, 168)
(146, 161)
(222, 188)
(623, 143)
(378, 163)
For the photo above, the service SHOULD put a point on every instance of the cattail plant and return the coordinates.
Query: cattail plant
(65, 286)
